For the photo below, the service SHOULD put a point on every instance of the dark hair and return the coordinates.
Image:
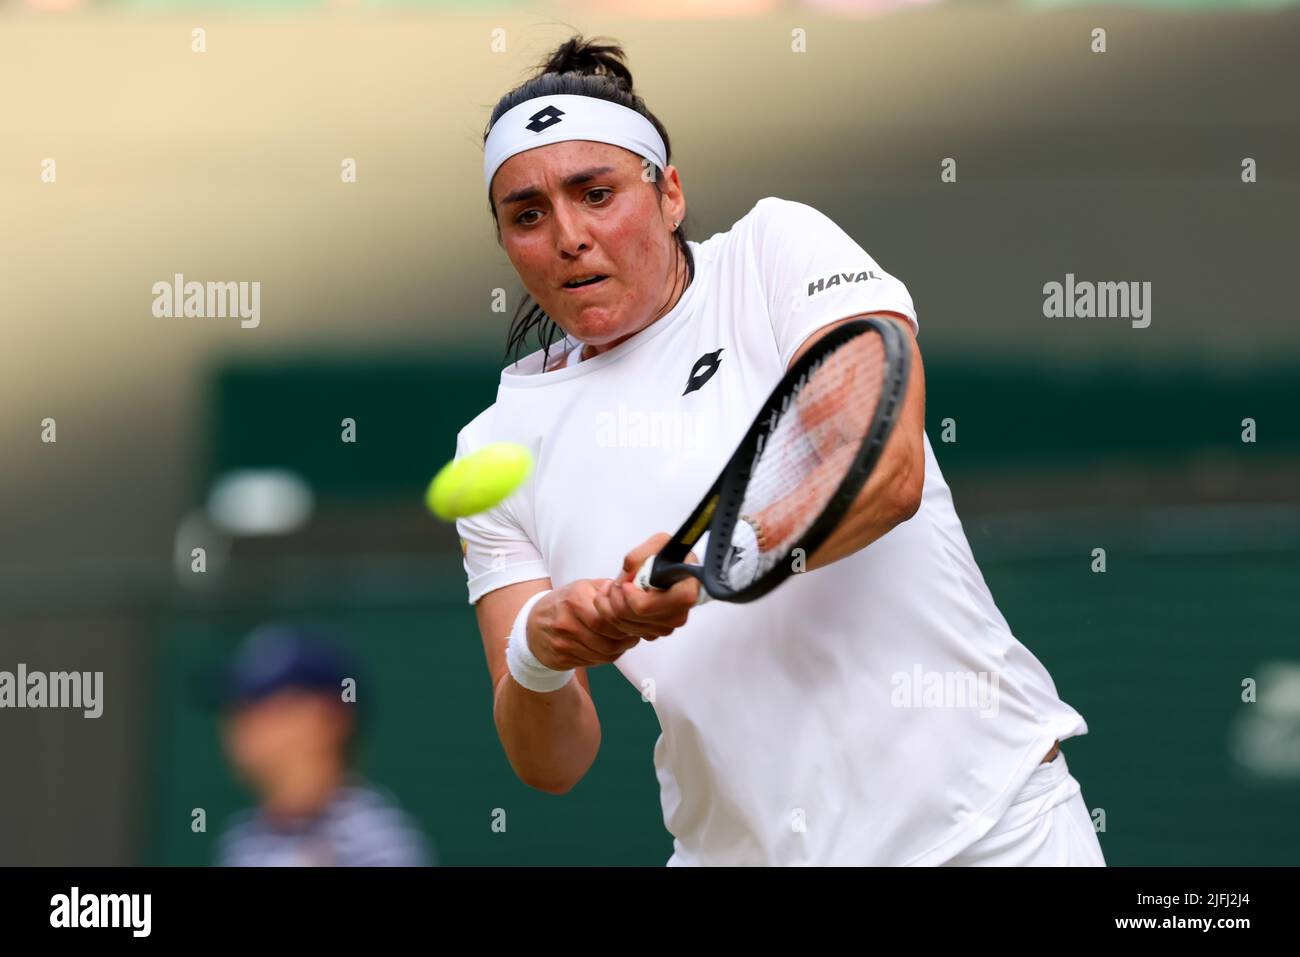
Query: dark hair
(583, 68)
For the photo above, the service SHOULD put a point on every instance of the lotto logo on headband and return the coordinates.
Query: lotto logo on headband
(544, 119)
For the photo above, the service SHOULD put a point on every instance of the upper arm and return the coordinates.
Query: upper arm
(496, 612)
(904, 322)
(904, 454)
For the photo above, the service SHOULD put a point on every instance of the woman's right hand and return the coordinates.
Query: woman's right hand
(582, 624)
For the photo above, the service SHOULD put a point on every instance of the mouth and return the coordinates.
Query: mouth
(586, 282)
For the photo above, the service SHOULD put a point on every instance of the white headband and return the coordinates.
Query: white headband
(544, 120)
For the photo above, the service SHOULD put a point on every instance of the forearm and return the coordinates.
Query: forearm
(891, 495)
(550, 739)
(876, 511)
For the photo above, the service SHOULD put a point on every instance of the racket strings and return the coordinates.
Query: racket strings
(811, 444)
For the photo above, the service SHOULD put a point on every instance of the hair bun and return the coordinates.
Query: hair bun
(590, 58)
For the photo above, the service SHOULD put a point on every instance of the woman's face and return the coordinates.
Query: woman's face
(576, 209)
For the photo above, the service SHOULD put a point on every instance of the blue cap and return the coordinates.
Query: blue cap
(279, 657)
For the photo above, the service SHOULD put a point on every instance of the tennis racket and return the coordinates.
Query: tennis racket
(798, 468)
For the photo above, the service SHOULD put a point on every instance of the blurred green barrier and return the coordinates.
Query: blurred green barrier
(429, 738)
(1153, 653)
(407, 414)
(1195, 602)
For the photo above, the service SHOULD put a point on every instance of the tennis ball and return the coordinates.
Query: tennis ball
(473, 484)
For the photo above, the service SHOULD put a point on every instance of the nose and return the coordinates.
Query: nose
(570, 232)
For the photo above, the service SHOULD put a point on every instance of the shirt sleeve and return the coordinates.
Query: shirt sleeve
(497, 551)
(815, 273)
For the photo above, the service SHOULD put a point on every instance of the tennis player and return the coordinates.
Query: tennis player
(876, 709)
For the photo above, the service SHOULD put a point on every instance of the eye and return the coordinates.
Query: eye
(519, 220)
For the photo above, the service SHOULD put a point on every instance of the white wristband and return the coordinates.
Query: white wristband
(523, 664)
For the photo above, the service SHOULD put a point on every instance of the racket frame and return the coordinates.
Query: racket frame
(719, 510)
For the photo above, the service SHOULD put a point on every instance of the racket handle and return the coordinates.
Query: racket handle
(642, 580)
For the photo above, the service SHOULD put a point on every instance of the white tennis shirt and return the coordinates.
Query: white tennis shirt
(875, 711)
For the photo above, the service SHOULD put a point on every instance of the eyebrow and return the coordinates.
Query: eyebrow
(574, 179)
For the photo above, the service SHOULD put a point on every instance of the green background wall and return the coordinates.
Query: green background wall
(1152, 652)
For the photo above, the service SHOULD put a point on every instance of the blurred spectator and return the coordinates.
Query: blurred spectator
(290, 732)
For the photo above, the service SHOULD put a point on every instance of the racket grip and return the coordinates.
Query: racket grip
(642, 580)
